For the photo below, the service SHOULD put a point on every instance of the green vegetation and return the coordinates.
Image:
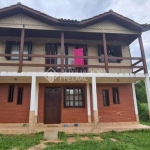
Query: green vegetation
(20, 142)
(142, 102)
(141, 91)
(137, 140)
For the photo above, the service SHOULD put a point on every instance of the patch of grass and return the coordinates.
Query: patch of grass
(90, 136)
(20, 142)
(129, 140)
(143, 113)
(62, 136)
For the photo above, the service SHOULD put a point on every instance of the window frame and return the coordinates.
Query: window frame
(82, 94)
(104, 99)
(114, 95)
(8, 50)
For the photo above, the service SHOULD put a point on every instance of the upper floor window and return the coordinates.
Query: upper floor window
(112, 51)
(14, 48)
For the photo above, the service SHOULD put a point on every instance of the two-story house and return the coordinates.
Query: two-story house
(58, 71)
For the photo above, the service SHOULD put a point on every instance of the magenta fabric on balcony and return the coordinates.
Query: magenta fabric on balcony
(78, 52)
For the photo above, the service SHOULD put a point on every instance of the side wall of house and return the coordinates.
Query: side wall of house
(11, 112)
(122, 112)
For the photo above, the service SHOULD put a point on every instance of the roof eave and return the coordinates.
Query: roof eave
(145, 27)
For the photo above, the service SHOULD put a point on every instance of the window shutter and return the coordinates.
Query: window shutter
(8, 49)
(30, 50)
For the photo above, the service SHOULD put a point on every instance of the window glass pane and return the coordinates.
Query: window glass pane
(76, 97)
(76, 103)
(80, 97)
(58, 50)
(71, 97)
(67, 91)
(14, 50)
(25, 51)
(71, 91)
(75, 91)
(20, 95)
(113, 51)
(80, 103)
(67, 97)
(105, 97)
(58, 53)
(11, 93)
(71, 103)
(80, 91)
(67, 103)
(70, 53)
(115, 96)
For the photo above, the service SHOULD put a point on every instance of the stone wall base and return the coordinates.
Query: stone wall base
(89, 118)
(137, 117)
(96, 119)
(31, 121)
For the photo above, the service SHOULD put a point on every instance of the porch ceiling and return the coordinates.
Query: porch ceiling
(25, 77)
(15, 79)
(129, 38)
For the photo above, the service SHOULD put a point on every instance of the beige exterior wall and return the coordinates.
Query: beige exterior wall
(39, 48)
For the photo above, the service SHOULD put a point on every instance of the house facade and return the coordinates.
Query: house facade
(43, 80)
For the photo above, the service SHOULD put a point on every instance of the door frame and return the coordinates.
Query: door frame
(60, 101)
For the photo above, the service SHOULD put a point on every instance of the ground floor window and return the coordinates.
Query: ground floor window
(74, 97)
(115, 95)
(105, 97)
(11, 93)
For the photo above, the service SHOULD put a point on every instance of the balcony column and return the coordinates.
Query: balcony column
(94, 96)
(105, 53)
(36, 102)
(135, 102)
(21, 50)
(147, 85)
(88, 103)
(143, 54)
(32, 104)
(62, 51)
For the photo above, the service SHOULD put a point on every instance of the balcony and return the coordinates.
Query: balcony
(124, 62)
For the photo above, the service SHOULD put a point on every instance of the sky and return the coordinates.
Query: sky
(137, 10)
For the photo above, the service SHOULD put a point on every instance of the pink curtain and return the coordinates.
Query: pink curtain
(78, 52)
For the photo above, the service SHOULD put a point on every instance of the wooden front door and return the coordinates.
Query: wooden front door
(52, 105)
